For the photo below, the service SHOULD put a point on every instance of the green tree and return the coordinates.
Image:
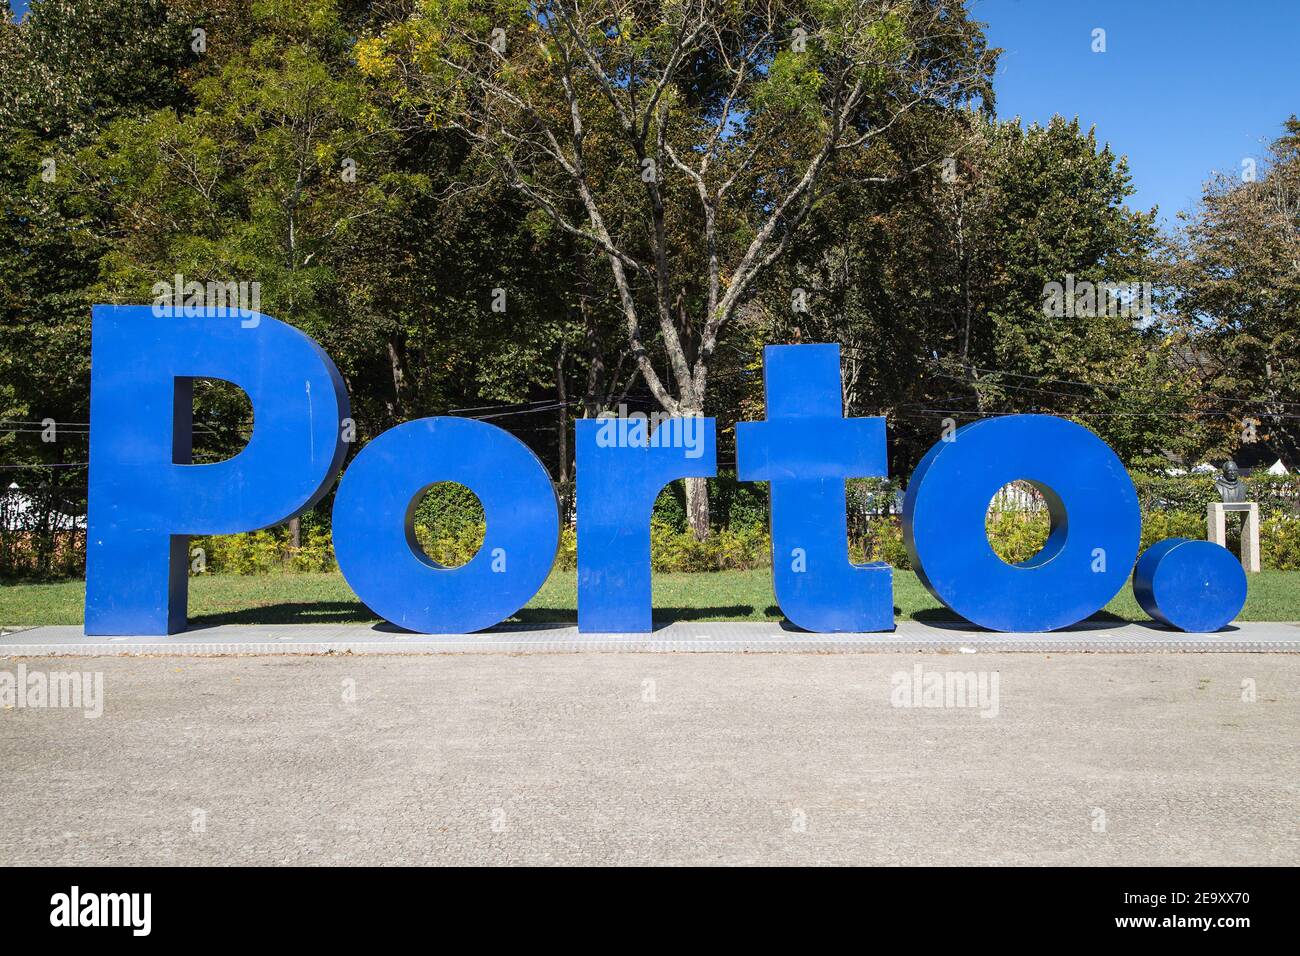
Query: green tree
(939, 291)
(1234, 268)
(686, 142)
(66, 72)
(378, 237)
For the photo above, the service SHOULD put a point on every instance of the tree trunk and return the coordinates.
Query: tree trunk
(697, 506)
(295, 533)
(562, 424)
(396, 365)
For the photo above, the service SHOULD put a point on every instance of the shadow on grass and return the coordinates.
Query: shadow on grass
(354, 612)
(663, 616)
(945, 619)
(315, 612)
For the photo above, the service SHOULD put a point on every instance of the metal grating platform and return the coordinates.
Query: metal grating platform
(678, 637)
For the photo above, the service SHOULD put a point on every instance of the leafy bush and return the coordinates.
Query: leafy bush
(738, 505)
(1279, 542)
(42, 556)
(1276, 494)
(883, 541)
(1157, 525)
(725, 550)
(256, 552)
(566, 558)
(447, 510)
(316, 552)
(39, 539)
(1017, 535)
(670, 508)
(733, 504)
(451, 549)
(450, 529)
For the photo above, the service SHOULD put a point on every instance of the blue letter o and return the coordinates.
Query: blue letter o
(374, 536)
(1095, 532)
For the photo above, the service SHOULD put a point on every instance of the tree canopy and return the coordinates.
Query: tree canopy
(532, 212)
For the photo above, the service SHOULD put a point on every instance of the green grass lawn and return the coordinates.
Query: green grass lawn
(721, 596)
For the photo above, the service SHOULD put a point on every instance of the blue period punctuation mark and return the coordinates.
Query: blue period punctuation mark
(1196, 586)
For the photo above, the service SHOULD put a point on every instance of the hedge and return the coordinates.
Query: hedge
(449, 526)
(1014, 536)
(1276, 494)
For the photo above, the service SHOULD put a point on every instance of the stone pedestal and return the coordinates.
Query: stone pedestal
(1216, 529)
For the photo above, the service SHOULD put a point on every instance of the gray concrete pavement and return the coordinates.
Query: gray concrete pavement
(638, 758)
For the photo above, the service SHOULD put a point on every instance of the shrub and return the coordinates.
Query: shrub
(883, 541)
(733, 504)
(447, 510)
(1279, 542)
(737, 505)
(1276, 494)
(725, 550)
(1017, 536)
(39, 538)
(1157, 525)
(566, 559)
(451, 549)
(670, 508)
(255, 552)
(450, 528)
(42, 556)
(316, 552)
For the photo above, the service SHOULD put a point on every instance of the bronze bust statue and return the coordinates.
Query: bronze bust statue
(1231, 488)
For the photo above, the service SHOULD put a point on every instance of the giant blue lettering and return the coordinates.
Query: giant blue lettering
(805, 451)
(146, 497)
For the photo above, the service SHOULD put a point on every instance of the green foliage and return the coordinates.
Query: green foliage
(669, 509)
(1017, 536)
(793, 87)
(451, 548)
(315, 552)
(1276, 494)
(738, 505)
(448, 510)
(26, 555)
(257, 552)
(725, 550)
(1234, 272)
(1279, 542)
(566, 558)
(1171, 523)
(882, 541)
(228, 165)
(935, 290)
(66, 72)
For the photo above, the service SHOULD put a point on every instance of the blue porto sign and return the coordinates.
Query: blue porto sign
(146, 498)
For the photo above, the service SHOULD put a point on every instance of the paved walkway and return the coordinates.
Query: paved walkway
(746, 637)
(671, 758)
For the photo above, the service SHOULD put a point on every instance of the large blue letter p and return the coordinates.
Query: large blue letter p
(145, 498)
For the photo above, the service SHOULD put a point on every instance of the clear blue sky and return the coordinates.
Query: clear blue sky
(1184, 88)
